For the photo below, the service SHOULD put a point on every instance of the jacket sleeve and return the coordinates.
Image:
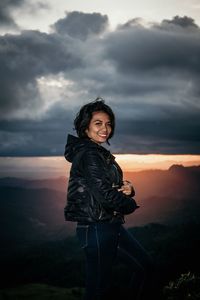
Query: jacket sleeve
(98, 181)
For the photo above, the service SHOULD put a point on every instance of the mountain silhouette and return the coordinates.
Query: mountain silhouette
(30, 216)
(38, 246)
(166, 195)
(32, 210)
(59, 184)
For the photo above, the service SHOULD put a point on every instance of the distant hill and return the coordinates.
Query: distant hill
(176, 181)
(38, 246)
(30, 216)
(58, 184)
(166, 195)
(32, 210)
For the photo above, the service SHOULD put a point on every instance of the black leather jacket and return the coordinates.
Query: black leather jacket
(95, 176)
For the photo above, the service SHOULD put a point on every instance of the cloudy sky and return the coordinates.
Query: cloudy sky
(143, 59)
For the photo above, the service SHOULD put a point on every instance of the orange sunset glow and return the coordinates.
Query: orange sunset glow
(42, 167)
(135, 162)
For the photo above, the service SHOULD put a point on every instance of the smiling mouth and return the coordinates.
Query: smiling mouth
(103, 135)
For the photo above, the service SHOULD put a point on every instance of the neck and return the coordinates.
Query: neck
(95, 142)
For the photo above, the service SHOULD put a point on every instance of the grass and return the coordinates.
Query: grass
(41, 292)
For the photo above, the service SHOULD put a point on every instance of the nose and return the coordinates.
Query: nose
(105, 127)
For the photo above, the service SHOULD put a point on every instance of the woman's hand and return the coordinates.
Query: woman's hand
(127, 188)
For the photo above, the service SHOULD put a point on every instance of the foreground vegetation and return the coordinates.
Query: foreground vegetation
(55, 270)
(186, 287)
(40, 292)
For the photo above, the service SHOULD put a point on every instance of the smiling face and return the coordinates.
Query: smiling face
(99, 127)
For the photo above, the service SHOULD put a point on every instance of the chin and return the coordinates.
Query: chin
(103, 141)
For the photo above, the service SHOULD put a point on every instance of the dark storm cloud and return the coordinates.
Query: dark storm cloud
(167, 129)
(42, 137)
(180, 21)
(136, 48)
(160, 133)
(149, 76)
(27, 56)
(81, 25)
(6, 7)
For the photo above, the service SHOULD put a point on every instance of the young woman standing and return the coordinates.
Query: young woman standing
(97, 199)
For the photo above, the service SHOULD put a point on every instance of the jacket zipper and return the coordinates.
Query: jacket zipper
(116, 173)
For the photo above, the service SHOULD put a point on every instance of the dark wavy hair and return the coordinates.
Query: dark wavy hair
(84, 116)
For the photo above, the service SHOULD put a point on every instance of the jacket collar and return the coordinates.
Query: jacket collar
(75, 144)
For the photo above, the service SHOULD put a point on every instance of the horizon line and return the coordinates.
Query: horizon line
(158, 154)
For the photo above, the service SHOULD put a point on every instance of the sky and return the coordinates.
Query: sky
(142, 57)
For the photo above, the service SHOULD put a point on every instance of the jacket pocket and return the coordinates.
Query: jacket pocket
(95, 209)
(82, 234)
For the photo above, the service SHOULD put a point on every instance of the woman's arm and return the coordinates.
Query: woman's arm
(97, 179)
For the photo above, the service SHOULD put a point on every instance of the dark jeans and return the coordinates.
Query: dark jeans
(102, 244)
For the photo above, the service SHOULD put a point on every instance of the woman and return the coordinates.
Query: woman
(98, 199)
